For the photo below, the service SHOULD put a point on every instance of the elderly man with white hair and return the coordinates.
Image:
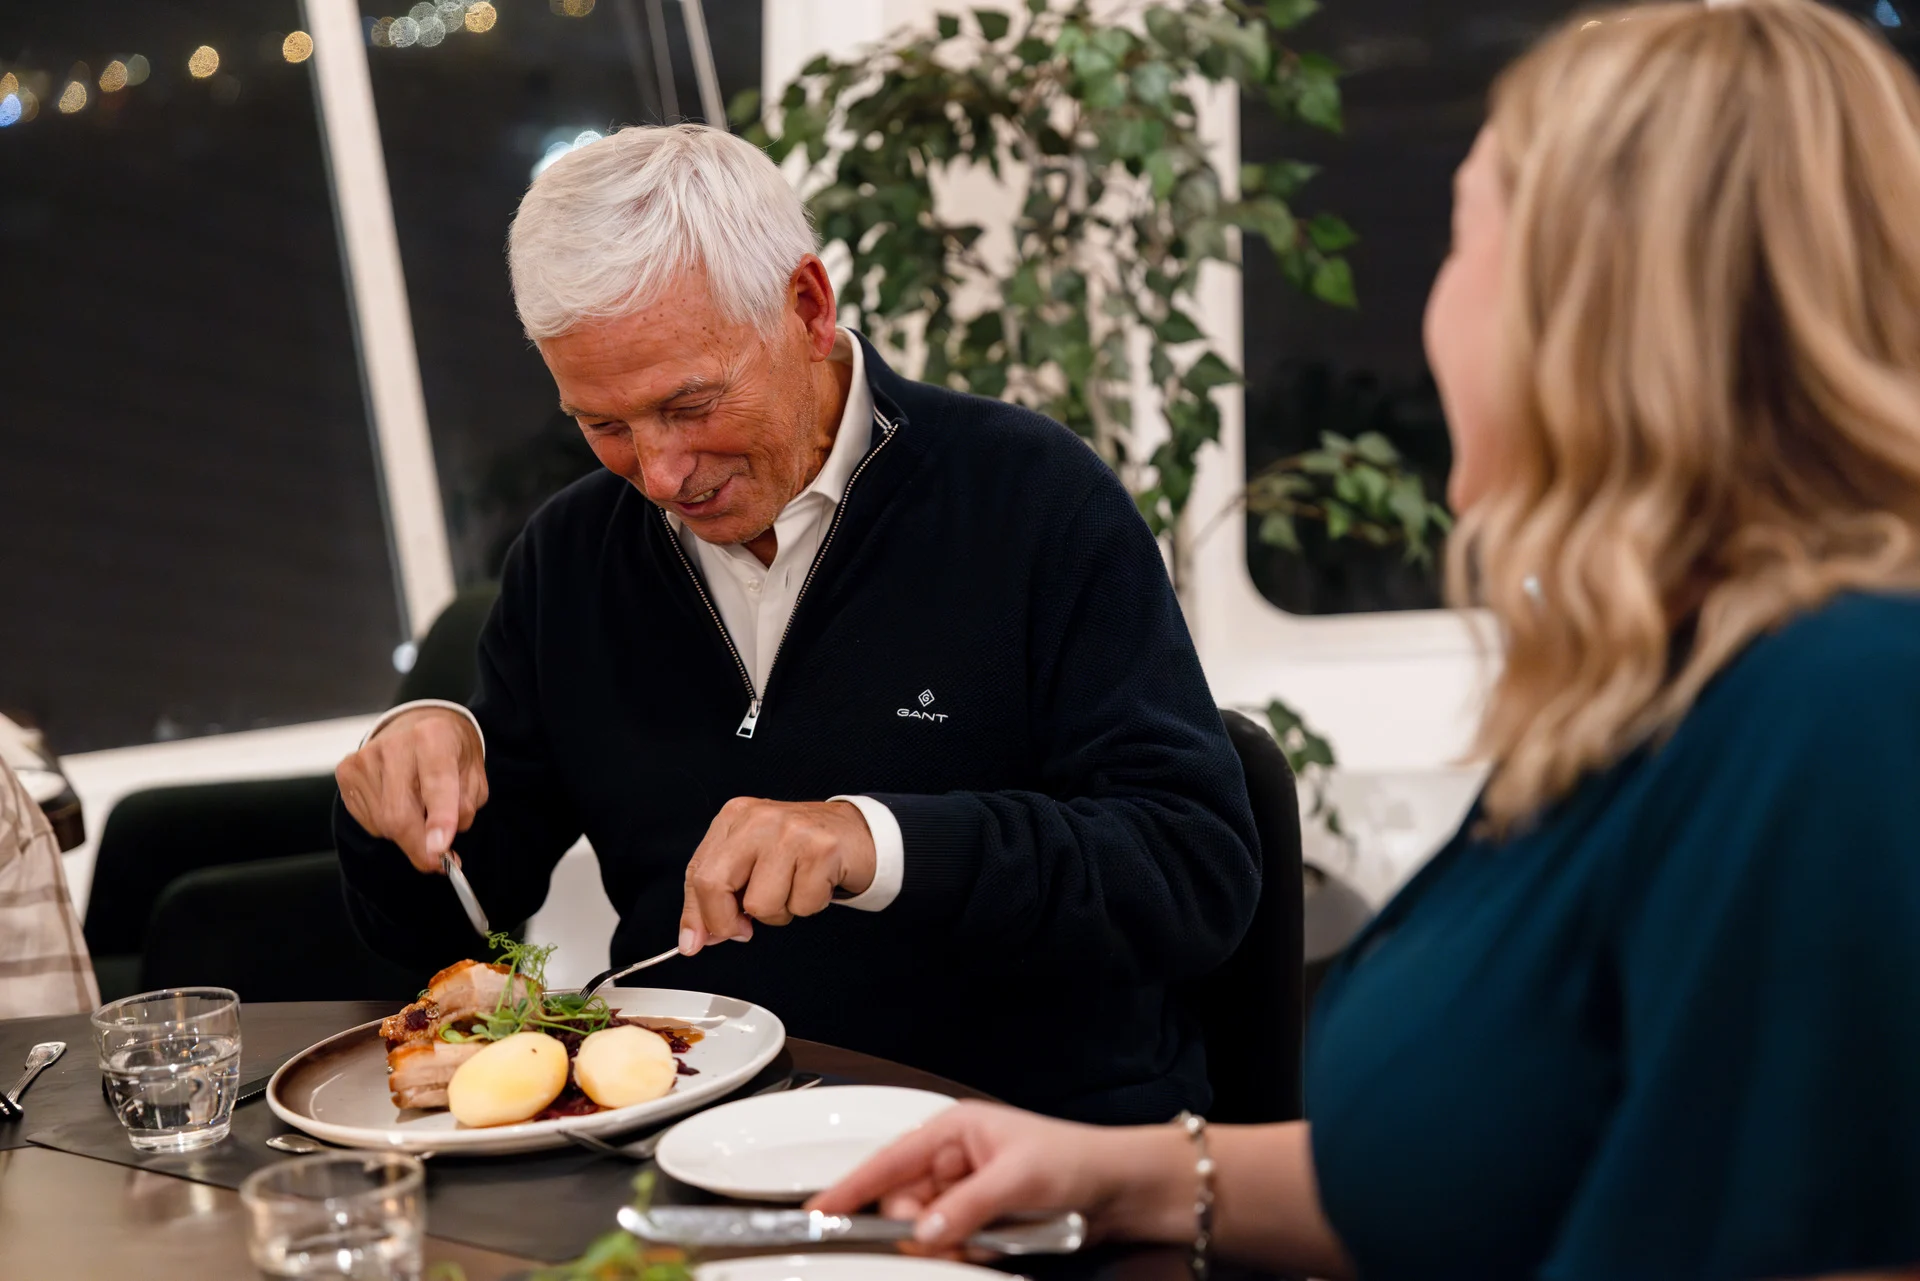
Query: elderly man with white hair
(822, 637)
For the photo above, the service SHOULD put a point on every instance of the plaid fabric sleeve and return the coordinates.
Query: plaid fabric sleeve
(44, 967)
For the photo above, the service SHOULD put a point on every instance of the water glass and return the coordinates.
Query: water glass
(171, 1061)
(344, 1214)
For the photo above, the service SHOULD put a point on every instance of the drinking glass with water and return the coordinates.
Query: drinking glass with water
(171, 1061)
(344, 1214)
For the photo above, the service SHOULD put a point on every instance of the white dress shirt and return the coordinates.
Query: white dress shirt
(756, 601)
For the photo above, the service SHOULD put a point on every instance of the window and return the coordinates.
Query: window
(188, 500)
(1415, 95)
(464, 122)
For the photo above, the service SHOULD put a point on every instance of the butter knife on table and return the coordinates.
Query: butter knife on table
(741, 1228)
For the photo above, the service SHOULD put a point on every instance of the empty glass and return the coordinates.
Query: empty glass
(344, 1214)
(171, 1061)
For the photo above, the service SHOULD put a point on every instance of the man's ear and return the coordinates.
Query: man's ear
(810, 294)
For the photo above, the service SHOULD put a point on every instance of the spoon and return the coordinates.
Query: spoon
(601, 980)
(37, 1060)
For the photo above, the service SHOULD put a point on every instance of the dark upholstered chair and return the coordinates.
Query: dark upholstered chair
(272, 929)
(212, 835)
(1251, 1009)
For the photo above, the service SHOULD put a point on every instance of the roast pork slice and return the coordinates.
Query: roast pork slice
(417, 1022)
(468, 989)
(419, 1071)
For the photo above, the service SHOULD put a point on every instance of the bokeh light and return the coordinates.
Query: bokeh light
(297, 47)
(404, 33)
(29, 104)
(114, 77)
(571, 8)
(9, 83)
(204, 62)
(452, 12)
(380, 34)
(432, 31)
(481, 17)
(73, 97)
(9, 109)
(138, 69)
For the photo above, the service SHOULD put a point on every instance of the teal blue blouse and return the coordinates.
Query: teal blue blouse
(1673, 1028)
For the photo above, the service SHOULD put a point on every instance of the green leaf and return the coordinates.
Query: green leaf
(1023, 290)
(1036, 7)
(745, 107)
(947, 24)
(1408, 503)
(1330, 234)
(1178, 327)
(1209, 372)
(1284, 177)
(1276, 529)
(1318, 96)
(1339, 520)
(1376, 449)
(1283, 719)
(1032, 50)
(820, 66)
(993, 23)
(1160, 174)
(1114, 42)
(1290, 13)
(1168, 29)
(1153, 82)
(1333, 282)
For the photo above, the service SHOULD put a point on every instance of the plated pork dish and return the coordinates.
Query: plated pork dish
(488, 1042)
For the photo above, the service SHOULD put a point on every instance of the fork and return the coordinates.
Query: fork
(37, 1059)
(643, 1148)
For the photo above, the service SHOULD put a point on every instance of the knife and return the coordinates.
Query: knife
(450, 864)
(735, 1227)
(248, 1092)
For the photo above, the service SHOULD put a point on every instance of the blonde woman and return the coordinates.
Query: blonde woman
(1655, 1011)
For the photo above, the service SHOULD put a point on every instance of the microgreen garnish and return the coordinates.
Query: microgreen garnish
(516, 1012)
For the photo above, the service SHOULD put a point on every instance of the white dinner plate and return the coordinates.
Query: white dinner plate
(842, 1267)
(785, 1147)
(337, 1090)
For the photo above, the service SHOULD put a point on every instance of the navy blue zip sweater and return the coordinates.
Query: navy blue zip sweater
(1077, 834)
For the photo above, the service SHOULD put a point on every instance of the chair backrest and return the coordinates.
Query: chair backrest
(447, 662)
(155, 835)
(272, 929)
(1251, 1009)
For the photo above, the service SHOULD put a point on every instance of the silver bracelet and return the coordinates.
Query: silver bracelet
(1196, 1130)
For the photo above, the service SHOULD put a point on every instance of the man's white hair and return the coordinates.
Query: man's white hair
(609, 226)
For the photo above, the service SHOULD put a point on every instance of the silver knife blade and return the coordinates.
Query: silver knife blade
(736, 1227)
(469, 901)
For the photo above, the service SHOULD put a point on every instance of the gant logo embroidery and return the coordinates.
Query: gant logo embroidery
(926, 700)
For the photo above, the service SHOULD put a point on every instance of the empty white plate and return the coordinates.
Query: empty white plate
(786, 1147)
(842, 1267)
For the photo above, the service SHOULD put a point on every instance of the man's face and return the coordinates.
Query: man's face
(714, 421)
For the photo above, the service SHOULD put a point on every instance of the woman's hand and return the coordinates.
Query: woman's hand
(977, 1162)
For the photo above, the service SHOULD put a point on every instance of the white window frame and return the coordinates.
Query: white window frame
(383, 325)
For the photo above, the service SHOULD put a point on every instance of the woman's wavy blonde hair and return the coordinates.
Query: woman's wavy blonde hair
(1712, 306)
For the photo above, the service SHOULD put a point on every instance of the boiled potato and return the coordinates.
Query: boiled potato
(510, 1080)
(621, 1066)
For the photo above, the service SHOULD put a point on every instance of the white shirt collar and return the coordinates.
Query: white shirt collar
(855, 433)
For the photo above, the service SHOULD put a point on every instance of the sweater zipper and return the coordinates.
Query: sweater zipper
(739, 664)
(751, 721)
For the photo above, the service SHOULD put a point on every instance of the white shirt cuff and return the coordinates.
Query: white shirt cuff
(394, 713)
(889, 855)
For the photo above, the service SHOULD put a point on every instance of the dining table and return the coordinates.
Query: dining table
(77, 1201)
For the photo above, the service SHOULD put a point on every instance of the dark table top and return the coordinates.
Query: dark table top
(74, 1204)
